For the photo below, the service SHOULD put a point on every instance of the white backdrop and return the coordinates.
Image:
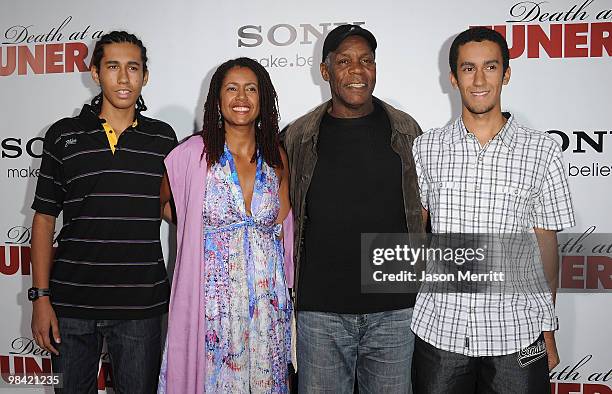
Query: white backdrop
(566, 87)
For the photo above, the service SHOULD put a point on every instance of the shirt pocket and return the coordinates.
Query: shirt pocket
(513, 202)
(448, 199)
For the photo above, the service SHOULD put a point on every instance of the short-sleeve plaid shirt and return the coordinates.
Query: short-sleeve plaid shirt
(513, 184)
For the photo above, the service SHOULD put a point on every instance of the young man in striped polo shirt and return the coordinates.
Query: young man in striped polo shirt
(107, 279)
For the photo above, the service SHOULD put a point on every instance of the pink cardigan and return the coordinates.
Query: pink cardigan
(186, 325)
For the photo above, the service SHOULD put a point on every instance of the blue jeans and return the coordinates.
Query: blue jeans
(332, 348)
(134, 347)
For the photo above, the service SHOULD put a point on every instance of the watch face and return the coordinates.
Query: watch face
(32, 294)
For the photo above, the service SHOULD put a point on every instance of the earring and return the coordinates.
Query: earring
(219, 118)
(259, 124)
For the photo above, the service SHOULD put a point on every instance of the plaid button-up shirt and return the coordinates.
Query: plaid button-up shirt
(513, 184)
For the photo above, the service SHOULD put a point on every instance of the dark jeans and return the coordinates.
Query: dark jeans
(332, 348)
(436, 371)
(134, 347)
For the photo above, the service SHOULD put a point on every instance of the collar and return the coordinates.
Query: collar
(311, 126)
(457, 132)
(90, 117)
(398, 120)
(106, 125)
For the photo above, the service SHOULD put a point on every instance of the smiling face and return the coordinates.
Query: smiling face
(351, 73)
(121, 75)
(480, 77)
(239, 97)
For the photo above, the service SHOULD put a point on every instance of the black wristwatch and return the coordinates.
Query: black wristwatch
(35, 293)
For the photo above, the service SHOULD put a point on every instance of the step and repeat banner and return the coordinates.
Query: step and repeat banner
(561, 83)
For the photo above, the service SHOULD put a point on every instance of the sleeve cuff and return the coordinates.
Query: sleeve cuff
(46, 208)
(551, 324)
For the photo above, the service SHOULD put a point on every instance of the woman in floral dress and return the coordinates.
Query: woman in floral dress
(241, 173)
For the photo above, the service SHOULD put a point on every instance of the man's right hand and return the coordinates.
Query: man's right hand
(43, 321)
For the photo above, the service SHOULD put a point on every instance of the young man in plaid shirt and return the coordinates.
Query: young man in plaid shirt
(486, 174)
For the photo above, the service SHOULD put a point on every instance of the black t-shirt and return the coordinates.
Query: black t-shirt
(356, 188)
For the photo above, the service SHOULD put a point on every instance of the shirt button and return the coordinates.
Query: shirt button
(440, 184)
(516, 191)
(477, 187)
(479, 158)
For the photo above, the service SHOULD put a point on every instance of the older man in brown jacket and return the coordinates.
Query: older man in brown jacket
(352, 173)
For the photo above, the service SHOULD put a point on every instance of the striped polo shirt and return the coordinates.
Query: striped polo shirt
(109, 262)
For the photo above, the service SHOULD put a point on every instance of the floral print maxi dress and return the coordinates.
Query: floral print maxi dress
(248, 309)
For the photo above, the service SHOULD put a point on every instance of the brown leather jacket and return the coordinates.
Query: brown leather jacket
(300, 141)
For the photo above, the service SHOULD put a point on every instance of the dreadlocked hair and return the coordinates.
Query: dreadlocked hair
(117, 37)
(266, 129)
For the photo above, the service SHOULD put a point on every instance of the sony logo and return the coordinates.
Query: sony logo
(13, 147)
(284, 34)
